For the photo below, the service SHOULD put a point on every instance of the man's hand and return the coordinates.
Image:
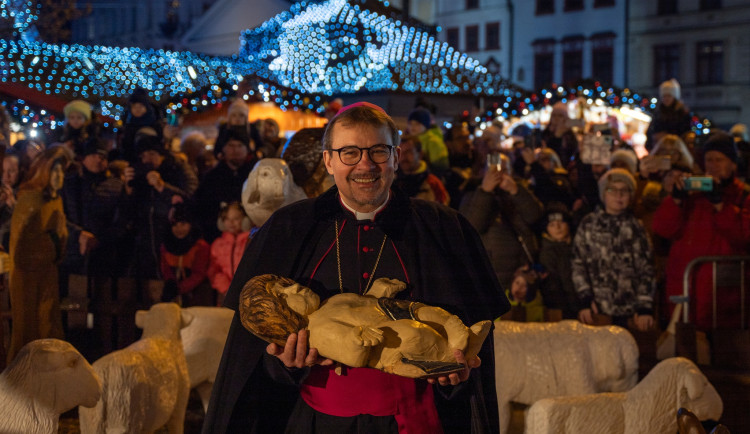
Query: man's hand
(154, 179)
(457, 377)
(491, 179)
(508, 184)
(9, 199)
(86, 242)
(296, 354)
(585, 315)
(643, 322)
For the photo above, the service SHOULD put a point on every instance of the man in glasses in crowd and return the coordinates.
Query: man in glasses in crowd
(358, 231)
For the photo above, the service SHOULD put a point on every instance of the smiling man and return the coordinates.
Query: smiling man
(342, 241)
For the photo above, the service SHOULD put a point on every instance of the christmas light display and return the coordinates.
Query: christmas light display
(20, 11)
(335, 47)
(297, 60)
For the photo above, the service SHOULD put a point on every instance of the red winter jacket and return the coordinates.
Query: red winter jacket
(189, 270)
(696, 229)
(226, 252)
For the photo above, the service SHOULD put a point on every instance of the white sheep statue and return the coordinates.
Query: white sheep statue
(203, 341)
(47, 378)
(650, 407)
(146, 385)
(543, 360)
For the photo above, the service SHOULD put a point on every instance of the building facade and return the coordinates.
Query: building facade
(704, 44)
(480, 28)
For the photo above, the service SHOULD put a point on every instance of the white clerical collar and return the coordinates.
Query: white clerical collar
(365, 215)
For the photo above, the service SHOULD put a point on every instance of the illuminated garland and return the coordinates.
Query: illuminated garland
(334, 47)
(296, 59)
(21, 11)
(517, 105)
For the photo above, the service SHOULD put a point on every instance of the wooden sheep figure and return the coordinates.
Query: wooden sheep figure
(146, 385)
(47, 377)
(543, 360)
(649, 407)
(203, 341)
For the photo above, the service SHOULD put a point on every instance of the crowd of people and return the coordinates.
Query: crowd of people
(597, 242)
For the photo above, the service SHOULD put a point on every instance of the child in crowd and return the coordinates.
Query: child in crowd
(612, 265)
(237, 123)
(524, 291)
(555, 255)
(140, 113)
(185, 261)
(227, 250)
(79, 126)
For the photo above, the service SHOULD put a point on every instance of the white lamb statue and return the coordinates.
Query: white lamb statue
(543, 360)
(203, 341)
(146, 385)
(47, 377)
(650, 407)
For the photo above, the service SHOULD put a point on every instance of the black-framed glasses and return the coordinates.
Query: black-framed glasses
(351, 155)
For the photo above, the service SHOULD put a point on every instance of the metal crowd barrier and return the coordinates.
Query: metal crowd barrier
(685, 297)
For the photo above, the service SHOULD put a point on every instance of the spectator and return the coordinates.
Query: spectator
(161, 180)
(414, 178)
(659, 176)
(185, 258)
(27, 151)
(556, 255)
(434, 150)
(550, 182)
(80, 125)
(270, 135)
(707, 223)
(742, 140)
(227, 250)
(224, 182)
(671, 116)
(237, 123)
(558, 134)
(524, 292)
(4, 128)
(8, 191)
(140, 112)
(624, 159)
(99, 213)
(503, 211)
(612, 263)
(193, 146)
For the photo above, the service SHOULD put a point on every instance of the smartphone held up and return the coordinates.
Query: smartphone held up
(495, 159)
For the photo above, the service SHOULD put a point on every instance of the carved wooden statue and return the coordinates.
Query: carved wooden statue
(37, 245)
(268, 187)
(374, 330)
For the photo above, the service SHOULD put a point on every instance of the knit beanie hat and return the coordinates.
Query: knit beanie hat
(721, 142)
(139, 95)
(95, 145)
(79, 106)
(556, 212)
(149, 143)
(422, 116)
(670, 87)
(238, 106)
(180, 212)
(626, 157)
(615, 175)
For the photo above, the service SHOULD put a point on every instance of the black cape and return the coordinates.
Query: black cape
(448, 267)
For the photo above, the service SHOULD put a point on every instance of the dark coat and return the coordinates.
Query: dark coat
(674, 119)
(447, 266)
(221, 184)
(97, 203)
